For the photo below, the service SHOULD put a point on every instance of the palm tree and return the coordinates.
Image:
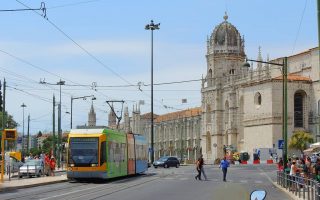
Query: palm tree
(299, 140)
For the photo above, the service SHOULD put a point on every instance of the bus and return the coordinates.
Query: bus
(105, 154)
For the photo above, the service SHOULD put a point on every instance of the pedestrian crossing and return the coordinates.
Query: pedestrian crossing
(183, 178)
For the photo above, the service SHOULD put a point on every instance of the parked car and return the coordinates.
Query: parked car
(31, 168)
(15, 165)
(166, 162)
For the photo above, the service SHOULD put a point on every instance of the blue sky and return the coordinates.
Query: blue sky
(113, 32)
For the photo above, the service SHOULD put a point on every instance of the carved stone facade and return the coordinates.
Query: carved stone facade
(175, 134)
(241, 107)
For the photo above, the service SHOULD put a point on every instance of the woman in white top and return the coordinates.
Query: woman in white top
(293, 173)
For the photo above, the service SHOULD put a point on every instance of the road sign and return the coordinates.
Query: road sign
(280, 144)
(19, 140)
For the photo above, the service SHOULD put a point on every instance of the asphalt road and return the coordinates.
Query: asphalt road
(159, 184)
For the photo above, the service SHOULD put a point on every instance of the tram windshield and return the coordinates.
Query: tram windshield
(83, 151)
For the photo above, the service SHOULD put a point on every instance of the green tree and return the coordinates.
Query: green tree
(11, 123)
(299, 140)
(35, 151)
(47, 144)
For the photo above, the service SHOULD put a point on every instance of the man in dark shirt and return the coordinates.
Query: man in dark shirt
(317, 168)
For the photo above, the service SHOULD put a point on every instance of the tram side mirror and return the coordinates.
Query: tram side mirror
(258, 195)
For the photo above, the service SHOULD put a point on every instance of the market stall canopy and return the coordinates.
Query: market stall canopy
(315, 145)
(311, 150)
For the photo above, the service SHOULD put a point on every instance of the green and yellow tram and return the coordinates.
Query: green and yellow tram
(105, 153)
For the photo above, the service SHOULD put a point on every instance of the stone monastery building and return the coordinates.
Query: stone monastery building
(240, 107)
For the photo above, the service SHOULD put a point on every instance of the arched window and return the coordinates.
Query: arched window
(298, 108)
(210, 78)
(257, 99)
(232, 71)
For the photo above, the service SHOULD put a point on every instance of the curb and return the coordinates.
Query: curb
(286, 191)
(5, 189)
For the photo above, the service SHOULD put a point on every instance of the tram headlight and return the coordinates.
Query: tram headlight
(94, 165)
(71, 165)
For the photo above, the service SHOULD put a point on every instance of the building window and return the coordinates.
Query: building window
(210, 78)
(257, 99)
(298, 109)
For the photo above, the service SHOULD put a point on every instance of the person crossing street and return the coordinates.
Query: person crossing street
(224, 164)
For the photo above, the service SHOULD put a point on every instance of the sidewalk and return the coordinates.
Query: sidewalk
(27, 182)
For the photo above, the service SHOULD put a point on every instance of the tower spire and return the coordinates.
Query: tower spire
(225, 17)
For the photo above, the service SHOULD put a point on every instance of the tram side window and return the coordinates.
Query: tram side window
(103, 153)
(111, 152)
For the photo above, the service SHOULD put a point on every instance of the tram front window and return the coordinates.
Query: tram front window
(83, 152)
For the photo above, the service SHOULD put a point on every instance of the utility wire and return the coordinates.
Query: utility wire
(299, 28)
(86, 51)
(73, 4)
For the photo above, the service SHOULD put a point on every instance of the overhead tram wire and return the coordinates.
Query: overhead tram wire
(73, 4)
(299, 28)
(34, 95)
(86, 51)
(82, 48)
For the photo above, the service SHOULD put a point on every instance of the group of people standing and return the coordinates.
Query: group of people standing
(48, 160)
(49, 164)
(224, 164)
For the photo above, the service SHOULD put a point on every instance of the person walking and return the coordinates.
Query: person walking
(198, 167)
(224, 164)
(202, 168)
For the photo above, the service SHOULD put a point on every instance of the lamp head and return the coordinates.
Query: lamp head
(246, 64)
(93, 98)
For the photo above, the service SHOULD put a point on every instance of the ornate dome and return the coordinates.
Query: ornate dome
(225, 38)
(225, 32)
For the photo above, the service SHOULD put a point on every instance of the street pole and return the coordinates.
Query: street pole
(318, 11)
(23, 106)
(285, 129)
(28, 137)
(152, 27)
(59, 126)
(54, 127)
(71, 114)
(4, 117)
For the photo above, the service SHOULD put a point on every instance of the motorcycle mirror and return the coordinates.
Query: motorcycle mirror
(258, 195)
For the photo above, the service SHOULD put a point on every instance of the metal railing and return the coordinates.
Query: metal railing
(303, 187)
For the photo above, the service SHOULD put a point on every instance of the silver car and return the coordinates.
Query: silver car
(31, 168)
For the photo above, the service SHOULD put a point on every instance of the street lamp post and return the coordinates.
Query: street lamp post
(73, 98)
(23, 106)
(59, 125)
(152, 27)
(284, 66)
